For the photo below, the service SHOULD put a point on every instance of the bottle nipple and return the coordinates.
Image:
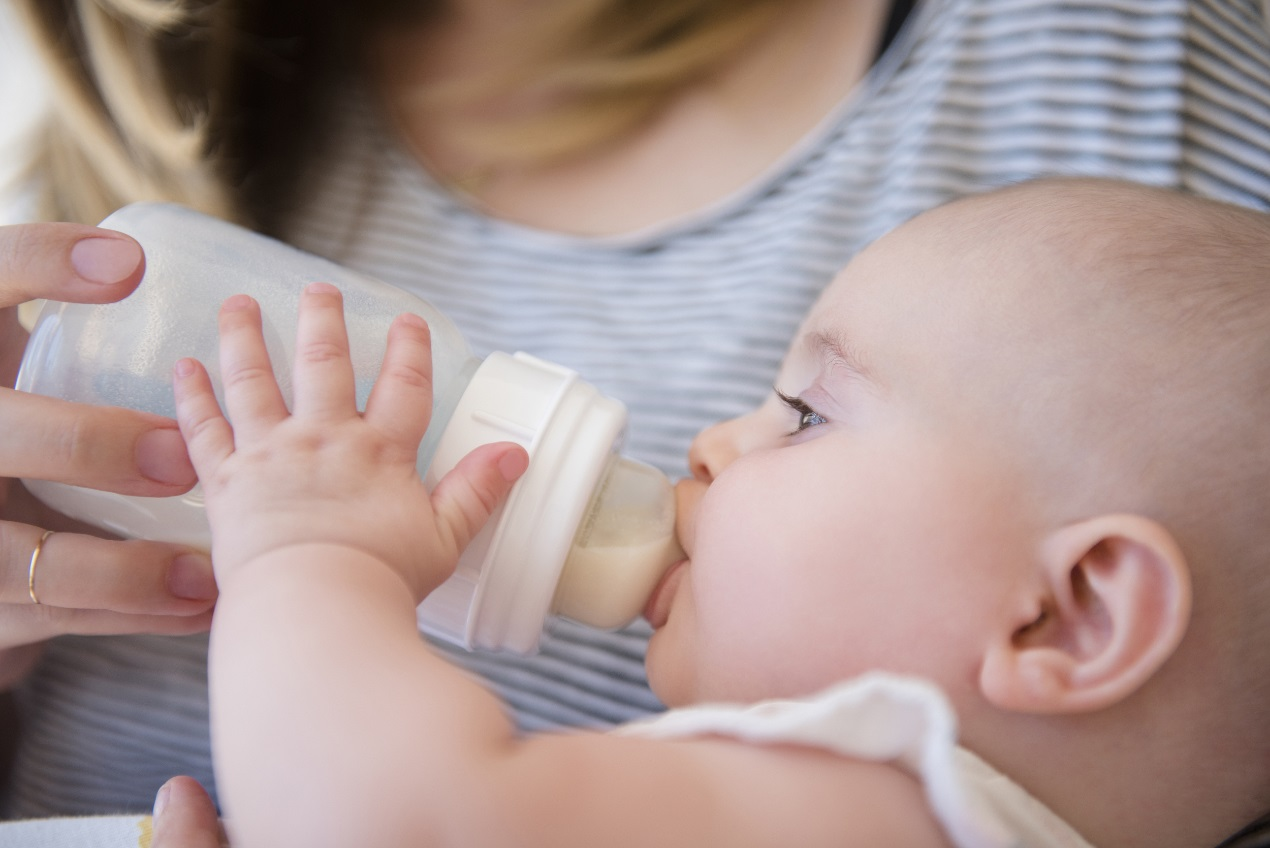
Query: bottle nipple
(625, 543)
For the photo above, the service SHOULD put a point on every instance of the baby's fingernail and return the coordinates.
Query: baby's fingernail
(411, 320)
(161, 457)
(161, 799)
(184, 367)
(103, 260)
(321, 288)
(190, 577)
(512, 464)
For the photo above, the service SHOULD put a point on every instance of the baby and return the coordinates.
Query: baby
(1016, 470)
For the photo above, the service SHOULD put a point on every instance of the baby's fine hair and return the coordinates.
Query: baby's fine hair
(1163, 305)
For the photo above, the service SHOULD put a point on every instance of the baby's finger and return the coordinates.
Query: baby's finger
(323, 374)
(470, 492)
(252, 398)
(400, 404)
(208, 436)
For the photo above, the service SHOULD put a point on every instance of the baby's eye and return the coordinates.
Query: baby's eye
(807, 417)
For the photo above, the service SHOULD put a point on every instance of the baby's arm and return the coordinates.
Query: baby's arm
(333, 724)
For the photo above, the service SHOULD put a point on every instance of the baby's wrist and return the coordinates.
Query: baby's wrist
(308, 563)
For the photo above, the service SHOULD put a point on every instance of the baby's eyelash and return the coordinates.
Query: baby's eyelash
(807, 417)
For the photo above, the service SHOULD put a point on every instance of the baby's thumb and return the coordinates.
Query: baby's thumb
(471, 491)
(184, 817)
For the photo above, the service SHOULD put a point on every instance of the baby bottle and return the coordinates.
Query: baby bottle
(585, 533)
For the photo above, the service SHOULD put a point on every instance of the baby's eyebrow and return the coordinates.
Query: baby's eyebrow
(835, 352)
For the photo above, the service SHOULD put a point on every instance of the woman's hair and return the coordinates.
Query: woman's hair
(218, 104)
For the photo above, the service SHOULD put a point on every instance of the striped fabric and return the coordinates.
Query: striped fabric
(687, 322)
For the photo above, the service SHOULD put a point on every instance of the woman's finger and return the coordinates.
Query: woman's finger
(185, 817)
(400, 403)
(30, 625)
(133, 453)
(71, 262)
(78, 572)
(252, 398)
(323, 373)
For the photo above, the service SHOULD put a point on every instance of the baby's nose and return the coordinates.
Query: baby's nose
(713, 450)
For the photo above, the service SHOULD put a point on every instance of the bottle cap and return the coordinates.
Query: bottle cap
(505, 585)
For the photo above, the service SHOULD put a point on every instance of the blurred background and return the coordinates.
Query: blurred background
(21, 96)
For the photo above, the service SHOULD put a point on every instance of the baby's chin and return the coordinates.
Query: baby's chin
(670, 681)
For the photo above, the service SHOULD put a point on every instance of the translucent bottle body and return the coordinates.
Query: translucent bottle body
(507, 582)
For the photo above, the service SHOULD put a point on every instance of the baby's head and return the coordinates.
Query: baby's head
(1023, 452)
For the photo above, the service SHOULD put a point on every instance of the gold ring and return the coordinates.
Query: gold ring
(35, 558)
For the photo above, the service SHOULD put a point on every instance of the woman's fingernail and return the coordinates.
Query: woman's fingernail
(105, 260)
(190, 577)
(161, 799)
(161, 457)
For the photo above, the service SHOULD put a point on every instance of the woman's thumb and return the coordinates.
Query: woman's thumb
(185, 817)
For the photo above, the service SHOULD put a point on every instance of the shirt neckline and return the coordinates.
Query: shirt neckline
(402, 162)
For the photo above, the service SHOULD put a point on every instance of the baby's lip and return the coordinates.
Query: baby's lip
(688, 495)
(657, 609)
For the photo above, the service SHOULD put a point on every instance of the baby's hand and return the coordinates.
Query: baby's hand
(324, 473)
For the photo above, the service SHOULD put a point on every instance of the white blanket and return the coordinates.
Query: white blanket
(78, 832)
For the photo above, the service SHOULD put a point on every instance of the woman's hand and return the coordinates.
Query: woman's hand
(184, 817)
(323, 473)
(84, 584)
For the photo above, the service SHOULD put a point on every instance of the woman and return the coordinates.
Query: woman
(650, 192)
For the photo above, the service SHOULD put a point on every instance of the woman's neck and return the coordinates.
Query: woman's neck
(709, 140)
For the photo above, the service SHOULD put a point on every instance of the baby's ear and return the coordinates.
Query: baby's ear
(1111, 604)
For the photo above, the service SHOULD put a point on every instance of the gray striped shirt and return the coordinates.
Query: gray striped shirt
(687, 322)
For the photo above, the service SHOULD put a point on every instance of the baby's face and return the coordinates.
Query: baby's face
(868, 519)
